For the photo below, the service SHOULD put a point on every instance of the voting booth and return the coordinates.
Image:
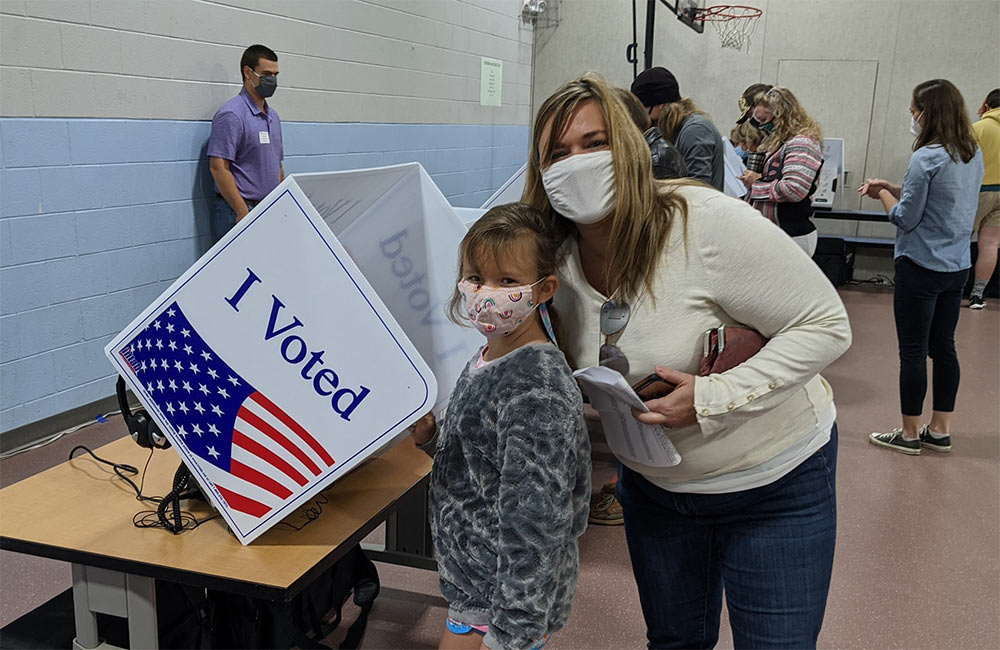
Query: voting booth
(309, 337)
(831, 174)
(509, 192)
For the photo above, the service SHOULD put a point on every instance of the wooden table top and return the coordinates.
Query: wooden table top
(81, 512)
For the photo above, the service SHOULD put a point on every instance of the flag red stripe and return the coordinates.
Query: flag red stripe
(127, 362)
(261, 480)
(241, 503)
(273, 409)
(272, 433)
(265, 454)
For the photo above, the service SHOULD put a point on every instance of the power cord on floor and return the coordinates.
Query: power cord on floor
(878, 280)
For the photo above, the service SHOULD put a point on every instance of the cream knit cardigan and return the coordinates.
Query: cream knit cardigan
(734, 267)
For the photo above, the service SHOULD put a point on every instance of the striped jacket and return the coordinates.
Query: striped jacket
(789, 176)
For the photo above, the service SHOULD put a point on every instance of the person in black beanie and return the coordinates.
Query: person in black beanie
(680, 122)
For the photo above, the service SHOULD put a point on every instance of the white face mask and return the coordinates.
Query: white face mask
(582, 187)
(915, 126)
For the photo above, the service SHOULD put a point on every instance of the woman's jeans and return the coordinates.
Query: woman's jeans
(769, 548)
(927, 304)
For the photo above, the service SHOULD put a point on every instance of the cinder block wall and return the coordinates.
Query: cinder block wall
(105, 110)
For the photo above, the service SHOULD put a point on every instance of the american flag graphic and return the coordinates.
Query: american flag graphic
(256, 456)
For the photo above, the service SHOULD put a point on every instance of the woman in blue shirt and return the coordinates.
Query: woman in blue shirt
(933, 210)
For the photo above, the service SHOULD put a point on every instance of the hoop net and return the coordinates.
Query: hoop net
(735, 24)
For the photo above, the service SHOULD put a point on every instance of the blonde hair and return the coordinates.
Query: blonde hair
(645, 208)
(790, 119)
(746, 135)
(673, 116)
(495, 235)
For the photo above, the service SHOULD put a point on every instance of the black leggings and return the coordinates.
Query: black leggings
(926, 305)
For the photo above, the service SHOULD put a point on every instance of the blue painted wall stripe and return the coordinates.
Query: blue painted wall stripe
(97, 217)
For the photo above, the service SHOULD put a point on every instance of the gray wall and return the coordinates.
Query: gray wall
(853, 64)
(104, 115)
(409, 61)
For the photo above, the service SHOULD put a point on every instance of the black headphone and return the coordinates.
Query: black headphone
(140, 426)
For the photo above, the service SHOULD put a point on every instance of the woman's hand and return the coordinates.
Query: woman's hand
(872, 186)
(423, 429)
(676, 409)
(748, 177)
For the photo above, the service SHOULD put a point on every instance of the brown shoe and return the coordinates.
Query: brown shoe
(604, 507)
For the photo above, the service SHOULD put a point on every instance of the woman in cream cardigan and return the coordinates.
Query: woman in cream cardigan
(751, 507)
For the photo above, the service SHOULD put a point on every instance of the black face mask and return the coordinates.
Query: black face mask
(766, 127)
(265, 85)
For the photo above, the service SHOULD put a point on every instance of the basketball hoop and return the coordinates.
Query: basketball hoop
(734, 23)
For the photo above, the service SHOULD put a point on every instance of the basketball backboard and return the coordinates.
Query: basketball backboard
(686, 10)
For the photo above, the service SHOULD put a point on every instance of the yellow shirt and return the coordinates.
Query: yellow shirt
(988, 133)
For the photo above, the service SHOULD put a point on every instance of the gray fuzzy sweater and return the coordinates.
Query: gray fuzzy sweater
(509, 495)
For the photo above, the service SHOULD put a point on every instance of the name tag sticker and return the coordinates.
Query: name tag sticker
(265, 137)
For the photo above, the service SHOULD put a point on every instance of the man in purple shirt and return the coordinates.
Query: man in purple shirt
(245, 150)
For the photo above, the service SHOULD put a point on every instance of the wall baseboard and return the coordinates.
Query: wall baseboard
(29, 434)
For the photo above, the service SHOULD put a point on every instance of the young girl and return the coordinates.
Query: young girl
(510, 487)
